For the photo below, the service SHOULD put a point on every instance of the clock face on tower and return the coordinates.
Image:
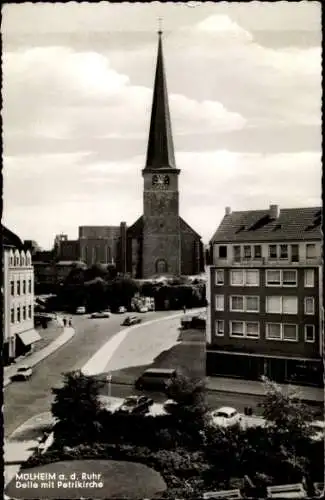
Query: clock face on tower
(160, 181)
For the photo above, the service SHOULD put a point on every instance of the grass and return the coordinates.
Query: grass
(119, 480)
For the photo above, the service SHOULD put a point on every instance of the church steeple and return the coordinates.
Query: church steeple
(160, 152)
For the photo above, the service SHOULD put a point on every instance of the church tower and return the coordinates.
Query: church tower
(161, 250)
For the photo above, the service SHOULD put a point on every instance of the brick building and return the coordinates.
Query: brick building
(264, 292)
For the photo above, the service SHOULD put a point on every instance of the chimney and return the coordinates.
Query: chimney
(228, 211)
(274, 211)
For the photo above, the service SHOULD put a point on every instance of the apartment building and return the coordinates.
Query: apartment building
(18, 298)
(264, 293)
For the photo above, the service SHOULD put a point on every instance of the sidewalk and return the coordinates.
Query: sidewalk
(38, 356)
(251, 387)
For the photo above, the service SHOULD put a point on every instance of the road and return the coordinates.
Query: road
(23, 400)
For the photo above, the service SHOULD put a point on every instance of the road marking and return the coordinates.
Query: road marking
(97, 363)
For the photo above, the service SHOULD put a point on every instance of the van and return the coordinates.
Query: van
(155, 378)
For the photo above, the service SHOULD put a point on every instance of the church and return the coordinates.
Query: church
(160, 242)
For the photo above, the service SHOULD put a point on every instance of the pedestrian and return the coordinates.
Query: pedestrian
(70, 322)
(64, 321)
(184, 309)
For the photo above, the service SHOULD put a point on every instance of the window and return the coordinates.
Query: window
(309, 278)
(12, 315)
(276, 277)
(12, 288)
(18, 287)
(252, 329)
(257, 252)
(24, 312)
(236, 252)
(236, 328)
(290, 332)
(29, 286)
(249, 329)
(309, 333)
(237, 303)
(273, 305)
(18, 314)
(220, 328)
(24, 287)
(222, 252)
(310, 250)
(220, 302)
(247, 252)
(29, 311)
(283, 251)
(290, 305)
(281, 305)
(252, 277)
(289, 278)
(237, 278)
(252, 304)
(272, 252)
(273, 277)
(273, 331)
(220, 279)
(294, 253)
(309, 305)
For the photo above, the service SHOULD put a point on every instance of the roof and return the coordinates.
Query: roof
(160, 152)
(10, 239)
(186, 227)
(292, 224)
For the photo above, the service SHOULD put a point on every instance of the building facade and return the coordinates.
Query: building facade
(264, 293)
(18, 296)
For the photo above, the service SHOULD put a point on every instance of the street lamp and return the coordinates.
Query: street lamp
(109, 381)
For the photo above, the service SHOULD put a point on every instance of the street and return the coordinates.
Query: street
(22, 400)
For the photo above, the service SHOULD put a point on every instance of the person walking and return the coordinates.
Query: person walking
(64, 321)
(184, 309)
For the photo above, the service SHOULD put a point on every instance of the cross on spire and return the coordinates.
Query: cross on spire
(160, 26)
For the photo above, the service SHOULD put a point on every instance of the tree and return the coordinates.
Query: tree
(96, 291)
(77, 409)
(285, 411)
(122, 291)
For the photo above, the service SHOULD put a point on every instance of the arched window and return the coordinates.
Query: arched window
(161, 266)
(22, 258)
(28, 258)
(17, 258)
(11, 258)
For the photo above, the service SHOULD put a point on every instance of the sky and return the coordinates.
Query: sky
(244, 84)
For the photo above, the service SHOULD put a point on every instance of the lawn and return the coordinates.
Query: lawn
(119, 480)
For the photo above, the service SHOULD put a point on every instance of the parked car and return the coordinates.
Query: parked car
(121, 310)
(143, 309)
(100, 314)
(186, 322)
(81, 310)
(169, 404)
(136, 404)
(225, 417)
(131, 320)
(23, 373)
(198, 321)
(155, 379)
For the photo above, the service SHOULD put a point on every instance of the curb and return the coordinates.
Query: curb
(258, 395)
(62, 339)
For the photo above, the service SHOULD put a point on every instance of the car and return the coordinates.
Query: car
(131, 320)
(100, 314)
(225, 417)
(169, 405)
(121, 310)
(186, 322)
(23, 373)
(81, 310)
(143, 309)
(136, 404)
(199, 321)
(156, 379)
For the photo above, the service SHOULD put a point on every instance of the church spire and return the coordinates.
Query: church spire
(160, 152)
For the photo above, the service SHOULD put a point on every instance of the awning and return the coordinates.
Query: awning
(29, 337)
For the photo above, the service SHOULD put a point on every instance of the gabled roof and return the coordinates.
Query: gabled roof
(186, 227)
(160, 152)
(256, 225)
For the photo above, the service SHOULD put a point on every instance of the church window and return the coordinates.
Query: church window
(161, 266)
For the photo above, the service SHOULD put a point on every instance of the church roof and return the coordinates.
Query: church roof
(136, 228)
(160, 152)
(186, 227)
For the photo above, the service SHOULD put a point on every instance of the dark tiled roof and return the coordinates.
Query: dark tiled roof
(10, 239)
(256, 225)
(186, 227)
